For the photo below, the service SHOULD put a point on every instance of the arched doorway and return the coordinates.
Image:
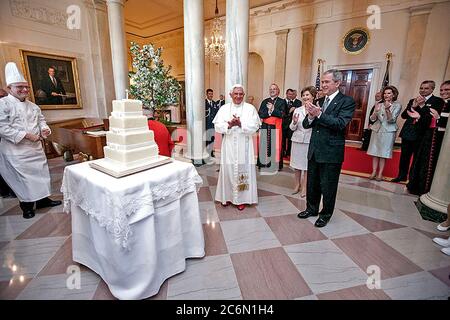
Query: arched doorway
(255, 78)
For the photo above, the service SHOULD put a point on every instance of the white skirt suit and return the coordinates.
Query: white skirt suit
(300, 141)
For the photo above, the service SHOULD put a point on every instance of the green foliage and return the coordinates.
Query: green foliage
(151, 81)
(164, 121)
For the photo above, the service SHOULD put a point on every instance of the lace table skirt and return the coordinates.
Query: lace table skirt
(118, 203)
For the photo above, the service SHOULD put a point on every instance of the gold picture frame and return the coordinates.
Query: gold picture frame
(356, 40)
(59, 91)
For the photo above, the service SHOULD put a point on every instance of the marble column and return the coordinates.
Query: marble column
(280, 59)
(306, 60)
(236, 52)
(194, 61)
(118, 46)
(103, 89)
(433, 205)
(413, 52)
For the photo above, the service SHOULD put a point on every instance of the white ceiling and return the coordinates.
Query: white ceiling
(146, 18)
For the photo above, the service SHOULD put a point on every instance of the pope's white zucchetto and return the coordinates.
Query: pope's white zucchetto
(237, 85)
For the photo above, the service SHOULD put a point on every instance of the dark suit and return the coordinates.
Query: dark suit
(425, 155)
(210, 114)
(48, 87)
(326, 153)
(267, 141)
(220, 103)
(413, 131)
(287, 133)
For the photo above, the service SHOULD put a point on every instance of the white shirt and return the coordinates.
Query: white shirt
(331, 97)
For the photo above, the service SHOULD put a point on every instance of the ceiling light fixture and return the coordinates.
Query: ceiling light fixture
(215, 48)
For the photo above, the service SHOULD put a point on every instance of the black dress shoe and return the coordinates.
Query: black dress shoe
(47, 202)
(321, 222)
(398, 179)
(306, 214)
(28, 214)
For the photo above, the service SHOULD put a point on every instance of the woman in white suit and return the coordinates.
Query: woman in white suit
(300, 142)
(383, 130)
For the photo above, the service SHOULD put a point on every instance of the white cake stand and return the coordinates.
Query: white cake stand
(118, 171)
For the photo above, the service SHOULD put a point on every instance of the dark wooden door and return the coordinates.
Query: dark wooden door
(356, 83)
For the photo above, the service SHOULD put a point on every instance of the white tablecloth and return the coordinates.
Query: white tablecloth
(136, 231)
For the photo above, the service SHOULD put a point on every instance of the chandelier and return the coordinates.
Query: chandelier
(215, 48)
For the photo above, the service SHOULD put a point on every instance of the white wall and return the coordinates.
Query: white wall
(40, 26)
(391, 37)
(264, 46)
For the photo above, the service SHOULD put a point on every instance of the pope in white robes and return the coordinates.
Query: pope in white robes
(23, 163)
(238, 122)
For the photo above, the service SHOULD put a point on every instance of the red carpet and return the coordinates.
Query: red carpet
(357, 162)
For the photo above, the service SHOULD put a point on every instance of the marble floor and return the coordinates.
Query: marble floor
(263, 252)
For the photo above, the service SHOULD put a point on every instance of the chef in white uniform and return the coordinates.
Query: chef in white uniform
(23, 163)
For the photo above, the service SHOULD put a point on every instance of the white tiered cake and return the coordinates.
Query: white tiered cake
(130, 143)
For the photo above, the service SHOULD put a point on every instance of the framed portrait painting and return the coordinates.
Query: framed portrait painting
(53, 79)
(356, 40)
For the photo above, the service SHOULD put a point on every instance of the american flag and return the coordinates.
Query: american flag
(318, 75)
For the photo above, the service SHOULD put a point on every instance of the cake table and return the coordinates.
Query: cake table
(135, 231)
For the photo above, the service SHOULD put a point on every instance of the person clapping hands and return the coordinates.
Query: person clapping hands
(270, 107)
(236, 121)
(313, 111)
(295, 118)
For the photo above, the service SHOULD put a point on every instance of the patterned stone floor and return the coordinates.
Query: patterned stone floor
(263, 252)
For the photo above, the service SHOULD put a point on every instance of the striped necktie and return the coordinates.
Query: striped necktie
(326, 103)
